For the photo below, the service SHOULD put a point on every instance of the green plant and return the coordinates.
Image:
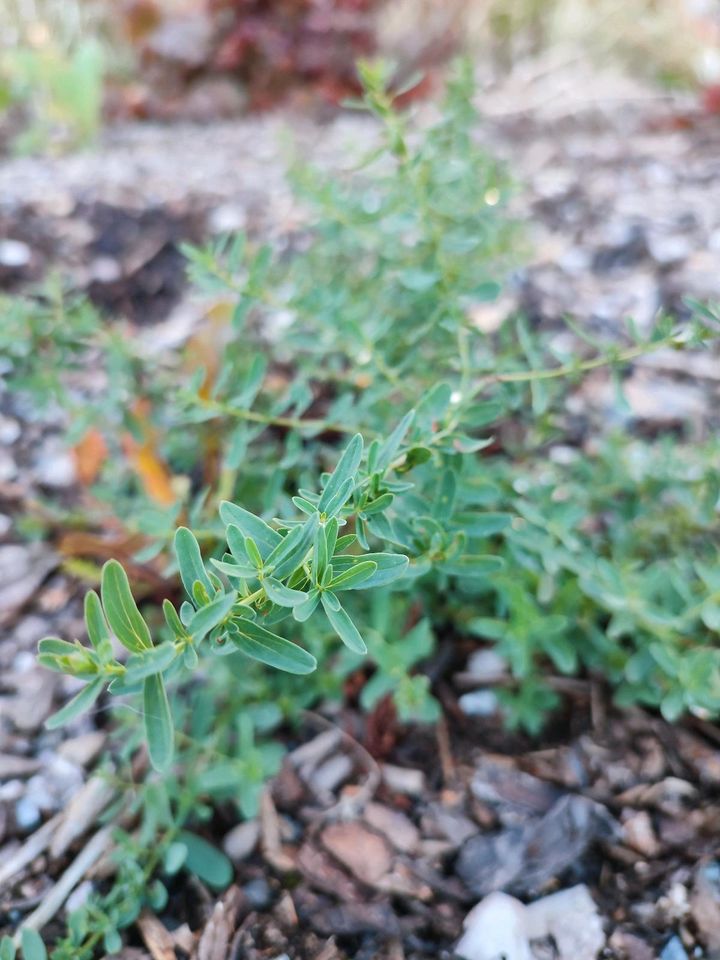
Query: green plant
(474, 515)
(377, 313)
(60, 88)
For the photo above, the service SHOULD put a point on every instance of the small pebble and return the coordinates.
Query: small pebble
(487, 663)
(674, 950)
(54, 466)
(479, 703)
(8, 467)
(9, 430)
(258, 893)
(14, 253)
(27, 814)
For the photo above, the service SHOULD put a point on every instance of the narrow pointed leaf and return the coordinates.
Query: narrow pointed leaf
(241, 571)
(344, 471)
(173, 620)
(121, 610)
(354, 576)
(269, 648)
(251, 526)
(306, 609)
(57, 647)
(391, 446)
(291, 552)
(146, 664)
(390, 567)
(192, 568)
(210, 616)
(340, 498)
(343, 626)
(97, 628)
(281, 595)
(79, 704)
(158, 723)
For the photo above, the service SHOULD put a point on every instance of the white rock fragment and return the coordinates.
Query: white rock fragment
(479, 703)
(495, 930)
(571, 918)
(14, 253)
(502, 928)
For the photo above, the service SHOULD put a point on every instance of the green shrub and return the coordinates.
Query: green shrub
(362, 462)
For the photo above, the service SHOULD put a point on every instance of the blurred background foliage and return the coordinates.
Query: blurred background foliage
(67, 64)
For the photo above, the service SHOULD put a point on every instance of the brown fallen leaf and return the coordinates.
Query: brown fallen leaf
(151, 470)
(90, 454)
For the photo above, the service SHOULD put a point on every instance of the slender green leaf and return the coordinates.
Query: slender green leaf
(79, 704)
(121, 610)
(305, 609)
(354, 576)
(344, 471)
(96, 624)
(210, 616)
(343, 625)
(281, 595)
(251, 526)
(340, 498)
(269, 648)
(173, 620)
(192, 568)
(149, 662)
(390, 567)
(241, 571)
(57, 647)
(389, 450)
(291, 552)
(158, 723)
(253, 552)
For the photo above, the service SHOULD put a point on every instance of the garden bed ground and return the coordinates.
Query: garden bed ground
(375, 841)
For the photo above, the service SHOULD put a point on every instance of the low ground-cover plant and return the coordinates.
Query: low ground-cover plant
(376, 312)
(360, 463)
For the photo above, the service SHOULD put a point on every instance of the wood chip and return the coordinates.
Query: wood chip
(156, 937)
(35, 844)
(322, 873)
(84, 749)
(270, 836)
(57, 895)
(82, 811)
(403, 779)
(240, 842)
(398, 829)
(12, 767)
(365, 854)
(220, 928)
